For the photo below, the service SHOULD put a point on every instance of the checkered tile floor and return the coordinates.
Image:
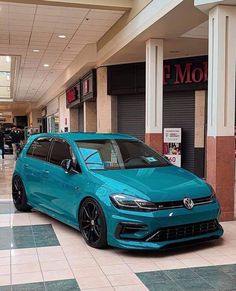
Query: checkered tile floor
(40, 253)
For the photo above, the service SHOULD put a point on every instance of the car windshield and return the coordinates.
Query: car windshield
(119, 154)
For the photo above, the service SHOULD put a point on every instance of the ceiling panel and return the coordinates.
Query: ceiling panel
(28, 27)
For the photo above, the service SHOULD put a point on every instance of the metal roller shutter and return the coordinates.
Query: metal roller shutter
(131, 115)
(81, 118)
(179, 111)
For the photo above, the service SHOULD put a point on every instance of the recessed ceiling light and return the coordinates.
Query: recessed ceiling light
(61, 36)
(36, 51)
(46, 65)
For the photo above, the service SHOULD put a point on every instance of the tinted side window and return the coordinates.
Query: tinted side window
(60, 152)
(39, 148)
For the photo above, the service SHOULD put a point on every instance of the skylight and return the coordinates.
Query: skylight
(5, 78)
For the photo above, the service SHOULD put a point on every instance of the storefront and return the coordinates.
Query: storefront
(185, 85)
(52, 115)
(81, 100)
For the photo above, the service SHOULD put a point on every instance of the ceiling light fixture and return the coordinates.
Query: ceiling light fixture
(35, 50)
(61, 36)
(46, 65)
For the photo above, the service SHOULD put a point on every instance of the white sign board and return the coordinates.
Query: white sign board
(172, 145)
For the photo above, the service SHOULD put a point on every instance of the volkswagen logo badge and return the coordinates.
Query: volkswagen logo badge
(188, 203)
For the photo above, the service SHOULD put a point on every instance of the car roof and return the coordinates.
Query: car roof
(76, 136)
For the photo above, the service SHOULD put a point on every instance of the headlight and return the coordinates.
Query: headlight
(132, 203)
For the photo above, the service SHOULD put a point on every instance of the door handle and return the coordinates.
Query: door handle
(46, 172)
(26, 166)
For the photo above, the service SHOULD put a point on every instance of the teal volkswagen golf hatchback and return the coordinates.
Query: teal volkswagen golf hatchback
(114, 189)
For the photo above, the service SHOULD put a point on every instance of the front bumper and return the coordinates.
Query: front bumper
(137, 230)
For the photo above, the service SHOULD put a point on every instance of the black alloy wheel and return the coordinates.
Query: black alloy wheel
(93, 224)
(19, 195)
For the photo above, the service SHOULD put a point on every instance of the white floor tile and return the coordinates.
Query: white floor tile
(143, 267)
(87, 272)
(83, 262)
(54, 265)
(57, 275)
(93, 282)
(5, 269)
(25, 278)
(131, 288)
(4, 253)
(24, 259)
(116, 269)
(121, 280)
(26, 268)
(5, 280)
(5, 261)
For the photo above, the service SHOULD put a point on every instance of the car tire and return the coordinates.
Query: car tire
(19, 195)
(92, 224)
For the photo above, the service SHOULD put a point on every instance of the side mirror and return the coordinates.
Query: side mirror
(67, 165)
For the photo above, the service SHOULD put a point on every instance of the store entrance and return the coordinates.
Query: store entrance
(131, 115)
(179, 112)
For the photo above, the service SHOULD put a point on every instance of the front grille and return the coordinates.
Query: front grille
(184, 231)
(180, 203)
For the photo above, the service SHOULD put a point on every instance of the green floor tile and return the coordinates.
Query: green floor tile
(208, 271)
(222, 282)
(153, 277)
(19, 237)
(181, 274)
(163, 286)
(59, 285)
(210, 278)
(62, 285)
(29, 287)
(195, 284)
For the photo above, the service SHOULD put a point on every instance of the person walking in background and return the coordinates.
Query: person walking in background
(16, 139)
(2, 142)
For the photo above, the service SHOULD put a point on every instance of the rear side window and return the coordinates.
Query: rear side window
(40, 148)
(60, 152)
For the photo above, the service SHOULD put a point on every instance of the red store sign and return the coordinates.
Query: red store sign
(185, 72)
(71, 95)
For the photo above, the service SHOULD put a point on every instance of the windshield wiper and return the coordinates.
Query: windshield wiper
(89, 156)
(94, 163)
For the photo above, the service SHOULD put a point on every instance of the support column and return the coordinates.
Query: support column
(106, 104)
(154, 93)
(90, 117)
(221, 106)
(74, 119)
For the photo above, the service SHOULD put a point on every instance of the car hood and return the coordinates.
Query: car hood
(161, 184)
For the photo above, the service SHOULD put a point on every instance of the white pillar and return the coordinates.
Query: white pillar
(154, 93)
(106, 104)
(221, 84)
(221, 106)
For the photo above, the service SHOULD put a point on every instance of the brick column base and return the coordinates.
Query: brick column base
(155, 140)
(220, 172)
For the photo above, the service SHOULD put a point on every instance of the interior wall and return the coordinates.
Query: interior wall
(64, 114)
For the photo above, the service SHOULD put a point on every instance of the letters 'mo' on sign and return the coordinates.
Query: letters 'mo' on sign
(186, 73)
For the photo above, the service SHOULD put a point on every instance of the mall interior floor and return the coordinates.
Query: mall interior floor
(40, 253)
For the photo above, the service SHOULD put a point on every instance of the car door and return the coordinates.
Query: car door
(34, 167)
(63, 188)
